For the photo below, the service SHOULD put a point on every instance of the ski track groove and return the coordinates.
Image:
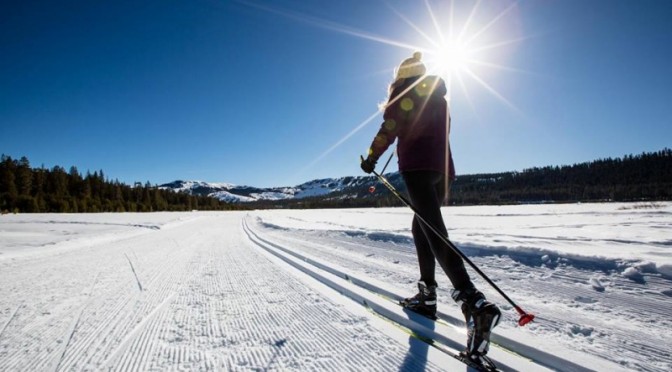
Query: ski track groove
(194, 315)
(361, 360)
(110, 323)
(52, 332)
(37, 330)
(141, 345)
(568, 286)
(74, 353)
(46, 361)
(70, 334)
(9, 320)
(332, 341)
(73, 329)
(119, 326)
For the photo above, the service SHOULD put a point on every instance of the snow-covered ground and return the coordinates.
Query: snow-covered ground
(264, 290)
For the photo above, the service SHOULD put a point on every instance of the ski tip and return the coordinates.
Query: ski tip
(525, 318)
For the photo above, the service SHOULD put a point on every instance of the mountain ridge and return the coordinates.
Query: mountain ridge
(232, 193)
(647, 176)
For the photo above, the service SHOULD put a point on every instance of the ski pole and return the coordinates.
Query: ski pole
(388, 162)
(525, 317)
(373, 188)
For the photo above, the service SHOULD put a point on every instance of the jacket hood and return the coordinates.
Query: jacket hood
(429, 85)
(432, 85)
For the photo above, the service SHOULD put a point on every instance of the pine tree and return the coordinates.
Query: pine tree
(8, 192)
(24, 177)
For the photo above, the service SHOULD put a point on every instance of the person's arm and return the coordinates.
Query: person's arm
(388, 131)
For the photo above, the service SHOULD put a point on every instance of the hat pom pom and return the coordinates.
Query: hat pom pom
(417, 55)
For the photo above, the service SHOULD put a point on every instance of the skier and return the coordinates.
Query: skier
(416, 113)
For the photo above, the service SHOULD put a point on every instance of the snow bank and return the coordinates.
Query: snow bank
(602, 236)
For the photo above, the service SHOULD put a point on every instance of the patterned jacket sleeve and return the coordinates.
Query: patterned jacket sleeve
(388, 131)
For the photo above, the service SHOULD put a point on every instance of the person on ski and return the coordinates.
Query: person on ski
(416, 113)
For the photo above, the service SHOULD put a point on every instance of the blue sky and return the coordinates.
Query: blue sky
(276, 93)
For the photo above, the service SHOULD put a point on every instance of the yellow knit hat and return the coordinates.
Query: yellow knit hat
(411, 67)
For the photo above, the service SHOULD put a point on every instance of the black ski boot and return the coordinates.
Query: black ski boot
(481, 317)
(424, 302)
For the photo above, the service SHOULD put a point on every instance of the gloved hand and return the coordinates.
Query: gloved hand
(368, 164)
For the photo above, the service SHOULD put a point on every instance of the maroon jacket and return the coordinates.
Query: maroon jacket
(418, 116)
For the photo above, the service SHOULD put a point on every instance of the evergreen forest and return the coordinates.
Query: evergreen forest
(632, 178)
(39, 190)
(643, 177)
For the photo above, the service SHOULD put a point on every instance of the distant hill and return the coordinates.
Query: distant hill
(322, 188)
(647, 176)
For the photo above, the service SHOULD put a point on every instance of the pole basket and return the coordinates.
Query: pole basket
(524, 317)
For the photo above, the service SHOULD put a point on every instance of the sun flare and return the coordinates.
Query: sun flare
(450, 58)
(455, 46)
(459, 46)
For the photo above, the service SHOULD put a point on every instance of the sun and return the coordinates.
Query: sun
(457, 48)
(450, 58)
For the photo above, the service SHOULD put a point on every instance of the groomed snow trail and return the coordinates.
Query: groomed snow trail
(296, 290)
(210, 300)
(571, 265)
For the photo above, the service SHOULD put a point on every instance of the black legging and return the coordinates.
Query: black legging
(427, 191)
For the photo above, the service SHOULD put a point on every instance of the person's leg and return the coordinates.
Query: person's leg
(425, 191)
(424, 302)
(426, 259)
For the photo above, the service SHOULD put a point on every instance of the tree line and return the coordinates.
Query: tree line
(38, 190)
(643, 177)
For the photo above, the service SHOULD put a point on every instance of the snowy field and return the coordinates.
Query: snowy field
(296, 290)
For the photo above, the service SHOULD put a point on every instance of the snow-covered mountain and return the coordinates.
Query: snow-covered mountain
(343, 187)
